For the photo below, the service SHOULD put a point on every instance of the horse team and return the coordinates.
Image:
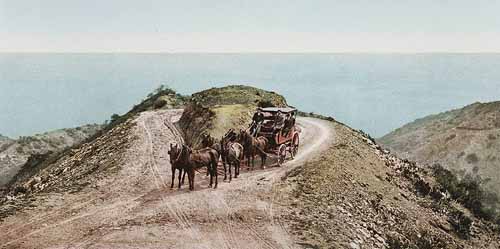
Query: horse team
(231, 149)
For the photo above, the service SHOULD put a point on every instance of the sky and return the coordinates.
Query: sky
(405, 26)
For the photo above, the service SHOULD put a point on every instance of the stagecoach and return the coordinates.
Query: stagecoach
(277, 124)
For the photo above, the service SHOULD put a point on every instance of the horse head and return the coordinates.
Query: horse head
(173, 153)
(186, 151)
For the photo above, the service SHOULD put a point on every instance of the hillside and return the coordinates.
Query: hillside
(15, 153)
(215, 110)
(341, 191)
(357, 195)
(465, 140)
(5, 142)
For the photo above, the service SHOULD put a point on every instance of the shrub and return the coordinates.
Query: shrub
(159, 103)
(469, 192)
(461, 223)
(265, 103)
(19, 149)
(472, 158)
(114, 117)
(414, 241)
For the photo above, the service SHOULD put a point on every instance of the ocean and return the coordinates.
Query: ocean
(373, 92)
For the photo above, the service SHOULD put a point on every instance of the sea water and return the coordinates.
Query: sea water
(373, 92)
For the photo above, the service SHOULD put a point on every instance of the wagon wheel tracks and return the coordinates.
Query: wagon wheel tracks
(148, 167)
(179, 215)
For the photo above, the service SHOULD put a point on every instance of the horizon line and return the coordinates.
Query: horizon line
(247, 52)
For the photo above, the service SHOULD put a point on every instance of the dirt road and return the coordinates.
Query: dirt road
(136, 208)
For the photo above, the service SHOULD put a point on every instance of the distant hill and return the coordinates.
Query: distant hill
(465, 140)
(15, 153)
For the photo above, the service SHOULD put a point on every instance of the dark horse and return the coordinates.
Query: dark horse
(253, 146)
(207, 141)
(193, 160)
(232, 154)
(174, 153)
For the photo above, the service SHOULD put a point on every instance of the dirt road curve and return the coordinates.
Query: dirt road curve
(136, 208)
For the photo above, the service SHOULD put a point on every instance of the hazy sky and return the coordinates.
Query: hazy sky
(250, 26)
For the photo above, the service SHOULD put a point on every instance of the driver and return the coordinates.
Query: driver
(257, 119)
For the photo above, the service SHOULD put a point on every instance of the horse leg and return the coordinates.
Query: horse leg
(216, 175)
(225, 168)
(237, 169)
(173, 178)
(263, 158)
(249, 161)
(209, 170)
(230, 174)
(180, 173)
(253, 162)
(184, 176)
(191, 181)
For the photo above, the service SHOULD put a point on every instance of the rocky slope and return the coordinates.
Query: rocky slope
(15, 153)
(357, 195)
(466, 140)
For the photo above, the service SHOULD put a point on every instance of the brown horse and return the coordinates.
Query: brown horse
(207, 141)
(232, 154)
(253, 146)
(174, 156)
(193, 160)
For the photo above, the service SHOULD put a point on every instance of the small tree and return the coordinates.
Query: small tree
(114, 117)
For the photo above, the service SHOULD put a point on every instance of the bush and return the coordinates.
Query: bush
(159, 103)
(265, 103)
(19, 149)
(472, 158)
(114, 117)
(461, 223)
(414, 241)
(469, 192)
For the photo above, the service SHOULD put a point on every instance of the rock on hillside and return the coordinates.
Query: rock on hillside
(466, 139)
(216, 110)
(15, 153)
(357, 195)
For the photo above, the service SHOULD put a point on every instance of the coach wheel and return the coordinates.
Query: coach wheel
(281, 154)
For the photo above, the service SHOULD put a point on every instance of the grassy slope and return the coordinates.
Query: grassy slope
(216, 110)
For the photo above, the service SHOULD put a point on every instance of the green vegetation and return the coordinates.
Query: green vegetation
(114, 117)
(460, 222)
(468, 191)
(148, 104)
(238, 94)
(424, 240)
(215, 110)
